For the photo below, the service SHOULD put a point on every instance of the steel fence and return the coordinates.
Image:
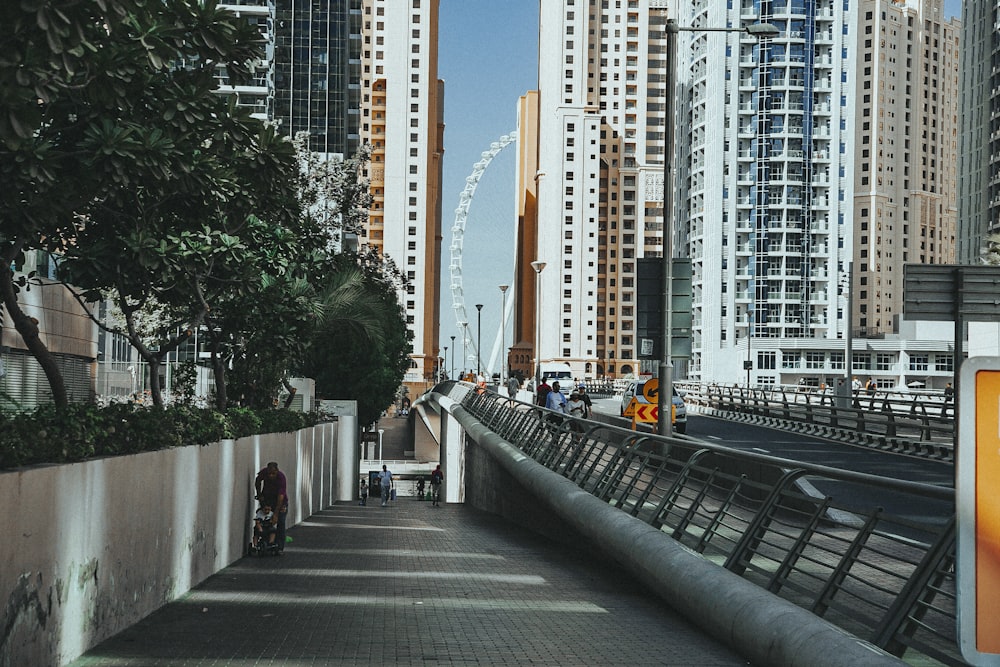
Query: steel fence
(887, 578)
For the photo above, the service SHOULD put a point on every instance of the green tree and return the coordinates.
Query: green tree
(104, 101)
(345, 359)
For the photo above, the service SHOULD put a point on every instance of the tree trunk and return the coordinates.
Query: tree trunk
(27, 327)
(155, 390)
(219, 371)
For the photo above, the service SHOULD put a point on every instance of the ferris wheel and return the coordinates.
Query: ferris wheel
(457, 242)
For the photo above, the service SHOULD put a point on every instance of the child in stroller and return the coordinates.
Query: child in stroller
(265, 530)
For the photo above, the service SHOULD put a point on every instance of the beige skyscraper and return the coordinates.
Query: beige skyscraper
(906, 151)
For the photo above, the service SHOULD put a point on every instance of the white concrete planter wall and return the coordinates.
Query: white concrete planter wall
(88, 549)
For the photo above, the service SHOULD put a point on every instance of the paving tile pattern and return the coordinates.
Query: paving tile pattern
(414, 584)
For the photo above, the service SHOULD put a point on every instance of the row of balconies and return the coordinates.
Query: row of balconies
(776, 224)
(817, 298)
(785, 249)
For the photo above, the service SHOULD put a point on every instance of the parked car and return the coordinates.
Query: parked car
(634, 390)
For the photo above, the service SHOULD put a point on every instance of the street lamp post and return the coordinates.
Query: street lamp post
(503, 327)
(451, 374)
(479, 339)
(465, 346)
(664, 425)
(445, 361)
(538, 266)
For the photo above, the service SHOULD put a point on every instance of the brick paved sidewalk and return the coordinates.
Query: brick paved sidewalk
(414, 584)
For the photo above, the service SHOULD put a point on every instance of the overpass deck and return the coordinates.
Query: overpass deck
(414, 584)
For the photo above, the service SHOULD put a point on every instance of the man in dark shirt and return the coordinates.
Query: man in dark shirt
(542, 393)
(270, 486)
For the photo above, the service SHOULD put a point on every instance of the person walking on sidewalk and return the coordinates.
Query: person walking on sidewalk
(364, 493)
(385, 481)
(437, 477)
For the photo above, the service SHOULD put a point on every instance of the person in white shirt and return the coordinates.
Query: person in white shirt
(385, 481)
(556, 400)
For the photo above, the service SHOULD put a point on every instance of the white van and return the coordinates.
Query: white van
(634, 390)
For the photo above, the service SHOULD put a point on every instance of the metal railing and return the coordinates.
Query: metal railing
(913, 424)
(887, 578)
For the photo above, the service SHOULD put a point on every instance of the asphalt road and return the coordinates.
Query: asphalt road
(834, 454)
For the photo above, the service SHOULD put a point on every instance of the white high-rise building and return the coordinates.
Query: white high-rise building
(771, 170)
(402, 119)
(766, 182)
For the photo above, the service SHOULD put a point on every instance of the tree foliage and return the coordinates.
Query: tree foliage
(108, 124)
(118, 155)
(346, 361)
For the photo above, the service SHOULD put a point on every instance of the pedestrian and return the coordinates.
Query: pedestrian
(855, 385)
(949, 393)
(542, 393)
(555, 400)
(575, 407)
(871, 387)
(364, 493)
(385, 481)
(513, 386)
(271, 489)
(420, 488)
(437, 478)
(585, 397)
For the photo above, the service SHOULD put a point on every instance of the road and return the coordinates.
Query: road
(844, 456)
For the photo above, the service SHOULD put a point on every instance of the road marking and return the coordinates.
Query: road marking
(762, 451)
(714, 437)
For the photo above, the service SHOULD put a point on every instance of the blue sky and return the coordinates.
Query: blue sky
(487, 58)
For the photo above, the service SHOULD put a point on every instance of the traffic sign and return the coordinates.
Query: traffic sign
(650, 389)
(978, 511)
(630, 408)
(646, 413)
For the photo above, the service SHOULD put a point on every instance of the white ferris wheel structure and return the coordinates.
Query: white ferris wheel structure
(457, 242)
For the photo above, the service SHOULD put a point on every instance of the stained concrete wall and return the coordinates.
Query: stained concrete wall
(91, 548)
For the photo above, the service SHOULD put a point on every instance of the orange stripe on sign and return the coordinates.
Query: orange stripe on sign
(987, 511)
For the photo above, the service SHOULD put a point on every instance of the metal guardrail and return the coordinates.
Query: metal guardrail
(917, 424)
(885, 578)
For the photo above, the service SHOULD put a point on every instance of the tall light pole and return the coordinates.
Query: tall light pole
(465, 346)
(479, 339)
(538, 266)
(445, 361)
(451, 375)
(503, 327)
(664, 425)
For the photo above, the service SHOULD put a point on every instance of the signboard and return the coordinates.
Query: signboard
(649, 307)
(650, 389)
(646, 414)
(630, 408)
(945, 292)
(978, 511)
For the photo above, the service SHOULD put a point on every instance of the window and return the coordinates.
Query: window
(884, 361)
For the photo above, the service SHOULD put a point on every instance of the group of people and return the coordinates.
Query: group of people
(579, 403)
(387, 485)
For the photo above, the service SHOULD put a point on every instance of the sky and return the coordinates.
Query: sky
(487, 58)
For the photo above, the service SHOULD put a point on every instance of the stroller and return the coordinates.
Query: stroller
(265, 533)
